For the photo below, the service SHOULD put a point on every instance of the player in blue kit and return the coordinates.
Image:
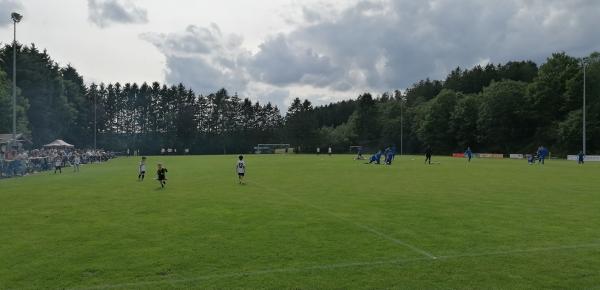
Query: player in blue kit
(375, 158)
(469, 153)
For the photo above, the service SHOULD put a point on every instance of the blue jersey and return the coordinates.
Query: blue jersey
(543, 152)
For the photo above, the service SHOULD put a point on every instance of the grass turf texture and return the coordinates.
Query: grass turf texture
(304, 222)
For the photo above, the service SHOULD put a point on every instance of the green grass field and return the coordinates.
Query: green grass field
(304, 222)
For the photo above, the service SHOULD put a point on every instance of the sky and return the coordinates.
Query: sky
(276, 50)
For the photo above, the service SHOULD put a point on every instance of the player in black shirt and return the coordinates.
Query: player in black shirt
(428, 153)
(161, 175)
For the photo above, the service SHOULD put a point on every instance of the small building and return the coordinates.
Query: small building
(5, 140)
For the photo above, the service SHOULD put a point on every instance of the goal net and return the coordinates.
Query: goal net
(358, 150)
(273, 149)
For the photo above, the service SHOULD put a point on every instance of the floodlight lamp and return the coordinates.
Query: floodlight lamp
(16, 17)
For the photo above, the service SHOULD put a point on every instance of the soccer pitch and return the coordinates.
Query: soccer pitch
(304, 222)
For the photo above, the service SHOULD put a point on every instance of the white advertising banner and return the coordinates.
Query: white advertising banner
(591, 158)
(490, 155)
(517, 156)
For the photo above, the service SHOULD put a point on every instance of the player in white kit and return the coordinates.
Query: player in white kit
(240, 168)
(142, 169)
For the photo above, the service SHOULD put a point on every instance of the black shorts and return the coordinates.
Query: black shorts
(241, 174)
(142, 172)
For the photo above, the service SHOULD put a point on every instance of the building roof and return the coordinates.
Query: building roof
(5, 138)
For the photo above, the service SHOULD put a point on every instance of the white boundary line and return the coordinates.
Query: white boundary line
(253, 273)
(523, 251)
(362, 226)
(337, 266)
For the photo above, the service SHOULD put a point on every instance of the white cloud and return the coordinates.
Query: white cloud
(107, 12)
(203, 58)
(390, 44)
(279, 62)
(378, 45)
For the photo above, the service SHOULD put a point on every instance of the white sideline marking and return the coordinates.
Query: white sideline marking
(364, 227)
(524, 251)
(253, 273)
(335, 266)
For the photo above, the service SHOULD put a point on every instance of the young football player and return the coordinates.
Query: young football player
(240, 169)
(142, 169)
(161, 174)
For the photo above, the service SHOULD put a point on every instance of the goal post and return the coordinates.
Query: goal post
(356, 148)
(273, 149)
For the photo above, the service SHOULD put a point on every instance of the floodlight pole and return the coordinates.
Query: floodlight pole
(401, 126)
(95, 130)
(584, 108)
(14, 88)
(399, 97)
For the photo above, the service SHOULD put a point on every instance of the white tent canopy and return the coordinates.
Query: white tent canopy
(58, 144)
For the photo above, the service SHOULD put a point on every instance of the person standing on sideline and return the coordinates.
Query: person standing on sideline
(240, 169)
(318, 150)
(469, 153)
(580, 157)
(76, 163)
(428, 153)
(329, 151)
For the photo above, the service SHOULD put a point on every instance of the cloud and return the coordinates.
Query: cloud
(104, 13)
(202, 75)
(6, 8)
(381, 45)
(203, 58)
(311, 15)
(280, 63)
(265, 94)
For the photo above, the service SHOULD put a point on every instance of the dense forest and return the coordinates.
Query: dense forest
(502, 108)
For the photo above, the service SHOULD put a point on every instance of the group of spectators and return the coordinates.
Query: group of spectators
(23, 162)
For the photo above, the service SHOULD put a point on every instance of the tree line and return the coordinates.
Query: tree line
(506, 108)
